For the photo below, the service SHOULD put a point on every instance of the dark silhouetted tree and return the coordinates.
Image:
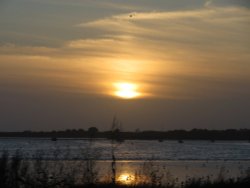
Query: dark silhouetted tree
(92, 132)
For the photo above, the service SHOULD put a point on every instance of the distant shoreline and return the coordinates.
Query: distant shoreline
(73, 138)
(94, 133)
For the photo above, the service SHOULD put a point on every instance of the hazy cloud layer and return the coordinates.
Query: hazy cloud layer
(183, 55)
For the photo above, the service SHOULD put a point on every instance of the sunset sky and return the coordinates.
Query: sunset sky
(155, 64)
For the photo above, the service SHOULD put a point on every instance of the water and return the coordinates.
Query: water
(181, 160)
(131, 149)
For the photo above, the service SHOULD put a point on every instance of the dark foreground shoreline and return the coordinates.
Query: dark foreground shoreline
(17, 172)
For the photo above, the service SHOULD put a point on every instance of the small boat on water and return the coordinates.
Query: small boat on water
(180, 141)
(53, 139)
(160, 140)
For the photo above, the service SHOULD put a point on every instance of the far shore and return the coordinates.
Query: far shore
(94, 133)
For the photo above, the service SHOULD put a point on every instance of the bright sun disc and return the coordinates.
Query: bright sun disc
(126, 90)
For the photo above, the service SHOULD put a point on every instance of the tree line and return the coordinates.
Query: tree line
(93, 132)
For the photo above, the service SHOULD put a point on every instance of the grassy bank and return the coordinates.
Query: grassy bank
(18, 172)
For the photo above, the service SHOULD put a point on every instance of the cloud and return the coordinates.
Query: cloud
(206, 43)
(172, 53)
(197, 28)
(227, 3)
(208, 3)
(206, 32)
(142, 20)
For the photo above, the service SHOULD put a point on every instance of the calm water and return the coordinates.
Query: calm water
(131, 149)
(180, 160)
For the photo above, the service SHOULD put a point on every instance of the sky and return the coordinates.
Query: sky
(155, 65)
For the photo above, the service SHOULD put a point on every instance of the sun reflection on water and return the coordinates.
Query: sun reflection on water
(126, 178)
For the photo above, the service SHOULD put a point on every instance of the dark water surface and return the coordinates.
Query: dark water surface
(132, 149)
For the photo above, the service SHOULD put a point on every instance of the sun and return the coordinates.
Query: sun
(126, 90)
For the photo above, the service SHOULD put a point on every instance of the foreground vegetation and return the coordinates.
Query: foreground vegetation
(18, 172)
